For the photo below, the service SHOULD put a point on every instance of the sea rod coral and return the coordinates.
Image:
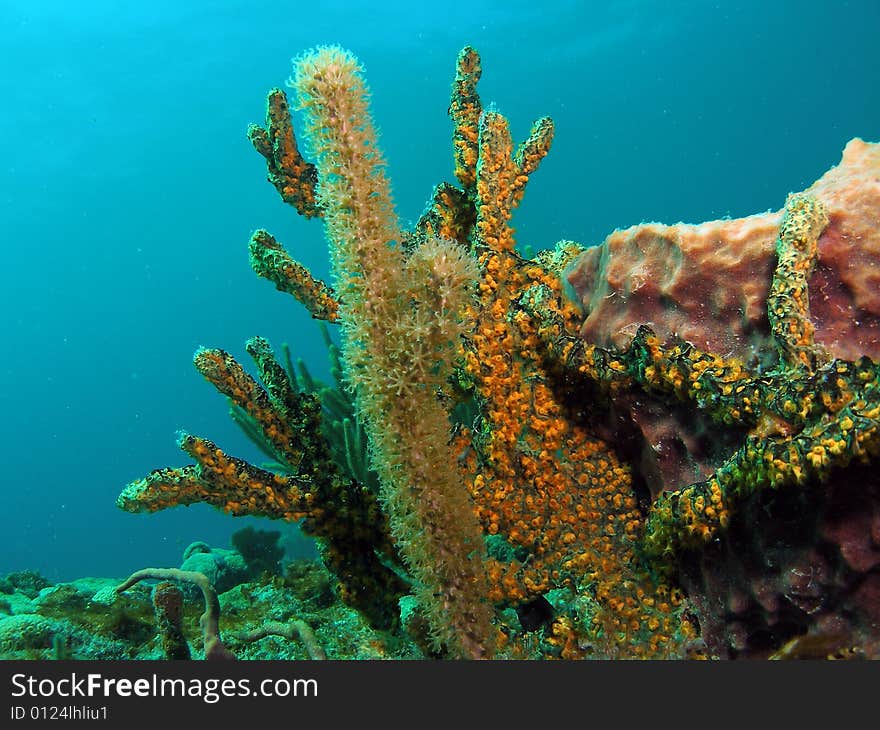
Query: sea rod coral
(509, 504)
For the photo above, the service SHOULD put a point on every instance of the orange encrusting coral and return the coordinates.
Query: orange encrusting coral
(547, 485)
(225, 374)
(540, 479)
(788, 303)
(272, 262)
(449, 215)
(294, 178)
(222, 481)
(465, 109)
(341, 512)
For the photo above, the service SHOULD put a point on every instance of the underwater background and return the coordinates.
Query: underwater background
(129, 190)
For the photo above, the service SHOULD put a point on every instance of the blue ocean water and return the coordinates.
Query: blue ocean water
(128, 193)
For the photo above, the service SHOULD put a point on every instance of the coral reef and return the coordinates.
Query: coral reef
(270, 618)
(65, 621)
(493, 476)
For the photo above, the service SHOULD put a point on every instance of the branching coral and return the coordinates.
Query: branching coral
(295, 179)
(343, 513)
(536, 477)
(343, 431)
(271, 261)
(462, 368)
